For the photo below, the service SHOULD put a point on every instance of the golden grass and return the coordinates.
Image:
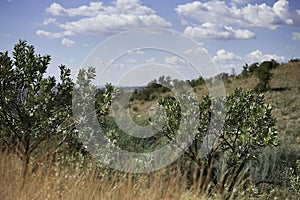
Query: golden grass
(52, 184)
(49, 183)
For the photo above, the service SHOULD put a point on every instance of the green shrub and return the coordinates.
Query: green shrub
(264, 76)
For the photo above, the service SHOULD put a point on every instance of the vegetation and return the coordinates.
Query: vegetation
(35, 111)
(254, 150)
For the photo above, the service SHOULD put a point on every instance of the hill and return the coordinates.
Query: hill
(284, 97)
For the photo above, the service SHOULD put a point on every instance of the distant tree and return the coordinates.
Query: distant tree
(272, 64)
(253, 67)
(233, 73)
(198, 81)
(294, 60)
(245, 71)
(264, 76)
(222, 76)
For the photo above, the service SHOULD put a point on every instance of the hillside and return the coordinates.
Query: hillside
(284, 97)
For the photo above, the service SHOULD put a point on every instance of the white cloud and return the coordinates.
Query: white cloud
(197, 51)
(68, 43)
(151, 60)
(225, 56)
(209, 30)
(53, 35)
(171, 60)
(175, 60)
(136, 51)
(215, 19)
(97, 18)
(240, 1)
(56, 9)
(49, 21)
(48, 34)
(295, 36)
(200, 50)
(258, 56)
(96, 8)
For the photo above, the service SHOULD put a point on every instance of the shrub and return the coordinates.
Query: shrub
(35, 110)
(248, 127)
(264, 75)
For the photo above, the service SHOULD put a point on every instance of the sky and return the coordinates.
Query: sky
(230, 32)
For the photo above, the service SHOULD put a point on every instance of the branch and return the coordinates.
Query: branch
(264, 181)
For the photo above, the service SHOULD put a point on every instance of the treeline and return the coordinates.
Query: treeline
(260, 70)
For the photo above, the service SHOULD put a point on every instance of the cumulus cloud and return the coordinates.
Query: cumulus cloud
(295, 36)
(215, 19)
(258, 56)
(53, 35)
(209, 30)
(96, 18)
(225, 56)
(48, 34)
(171, 60)
(174, 60)
(197, 51)
(49, 21)
(68, 43)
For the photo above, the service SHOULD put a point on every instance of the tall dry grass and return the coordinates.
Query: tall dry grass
(52, 183)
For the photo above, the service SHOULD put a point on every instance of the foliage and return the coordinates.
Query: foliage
(264, 75)
(245, 71)
(248, 127)
(253, 67)
(223, 76)
(294, 60)
(262, 72)
(198, 81)
(35, 111)
(275, 167)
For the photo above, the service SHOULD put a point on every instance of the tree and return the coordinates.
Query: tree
(35, 110)
(264, 76)
(248, 127)
(252, 68)
(245, 71)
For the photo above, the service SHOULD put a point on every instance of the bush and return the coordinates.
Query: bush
(248, 127)
(264, 75)
(35, 114)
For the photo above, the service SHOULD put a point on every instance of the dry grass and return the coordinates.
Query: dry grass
(51, 183)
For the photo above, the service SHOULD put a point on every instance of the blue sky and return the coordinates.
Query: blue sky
(232, 32)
